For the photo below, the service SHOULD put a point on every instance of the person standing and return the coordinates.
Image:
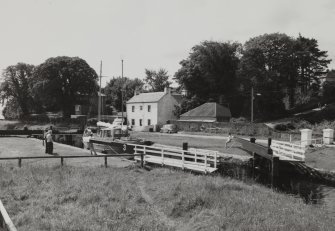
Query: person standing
(49, 142)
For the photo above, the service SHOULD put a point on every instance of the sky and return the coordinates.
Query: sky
(149, 34)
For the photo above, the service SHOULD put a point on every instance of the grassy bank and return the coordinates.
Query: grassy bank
(55, 198)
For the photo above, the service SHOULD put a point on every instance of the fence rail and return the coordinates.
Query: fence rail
(290, 150)
(193, 159)
(70, 157)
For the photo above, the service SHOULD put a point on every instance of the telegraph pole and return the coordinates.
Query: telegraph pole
(99, 100)
(252, 104)
(121, 95)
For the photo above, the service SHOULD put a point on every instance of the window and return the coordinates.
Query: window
(140, 122)
(141, 108)
(132, 108)
(149, 108)
(149, 122)
(132, 122)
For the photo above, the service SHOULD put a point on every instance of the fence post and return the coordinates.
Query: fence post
(162, 157)
(205, 162)
(274, 169)
(105, 161)
(20, 162)
(215, 159)
(253, 164)
(183, 159)
(61, 161)
(142, 160)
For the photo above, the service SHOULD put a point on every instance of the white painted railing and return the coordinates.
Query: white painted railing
(289, 150)
(5, 221)
(195, 159)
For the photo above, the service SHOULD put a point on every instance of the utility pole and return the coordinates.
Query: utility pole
(252, 104)
(122, 92)
(99, 100)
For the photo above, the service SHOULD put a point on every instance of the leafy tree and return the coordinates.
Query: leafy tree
(312, 62)
(16, 87)
(268, 65)
(60, 80)
(115, 87)
(281, 65)
(158, 80)
(12, 110)
(210, 70)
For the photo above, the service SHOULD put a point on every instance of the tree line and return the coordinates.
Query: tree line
(54, 85)
(283, 71)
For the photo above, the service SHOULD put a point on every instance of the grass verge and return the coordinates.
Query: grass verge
(75, 198)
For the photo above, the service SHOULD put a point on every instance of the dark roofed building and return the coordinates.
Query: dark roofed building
(208, 112)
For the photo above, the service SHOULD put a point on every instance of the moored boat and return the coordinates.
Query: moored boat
(112, 140)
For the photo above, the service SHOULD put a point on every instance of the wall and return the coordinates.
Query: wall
(142, 114)
(166, 108)
(224, 127)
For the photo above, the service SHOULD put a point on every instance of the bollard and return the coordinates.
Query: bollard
(20, 162)
(105, 161)
(269, 142)
(185, 146)
(61, 161)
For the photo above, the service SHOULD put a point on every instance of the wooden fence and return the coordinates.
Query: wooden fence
(70, 157)
(192, 159)
(287, 149)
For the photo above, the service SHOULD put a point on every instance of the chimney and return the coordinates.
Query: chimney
(135, 92)
(167, 90)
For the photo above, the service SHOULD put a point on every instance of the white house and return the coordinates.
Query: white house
(147, 110)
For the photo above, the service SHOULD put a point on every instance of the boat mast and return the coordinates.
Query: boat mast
(99, 100)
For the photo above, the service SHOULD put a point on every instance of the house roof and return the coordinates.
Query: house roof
(147, 97)
(208, 110)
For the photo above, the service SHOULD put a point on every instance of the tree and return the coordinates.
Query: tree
(312, 62)
(115, 87)
(282, 64)
(210, 70)
(16, 88)
(158, 80)
(268, 65)
(60, 80)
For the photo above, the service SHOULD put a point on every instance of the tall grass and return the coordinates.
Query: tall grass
(74, 198)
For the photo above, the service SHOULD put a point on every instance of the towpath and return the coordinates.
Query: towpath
(20, 146)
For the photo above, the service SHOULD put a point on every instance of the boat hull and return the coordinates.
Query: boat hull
(117, 146)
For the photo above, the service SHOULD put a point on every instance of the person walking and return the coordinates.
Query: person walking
(49, 143)
(229, 139)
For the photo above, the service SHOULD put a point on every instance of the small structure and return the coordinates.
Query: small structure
(148, 110)
(208, 112)
(328, 136)
(306, 137)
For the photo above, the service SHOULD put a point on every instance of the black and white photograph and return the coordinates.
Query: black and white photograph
(167, 115)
